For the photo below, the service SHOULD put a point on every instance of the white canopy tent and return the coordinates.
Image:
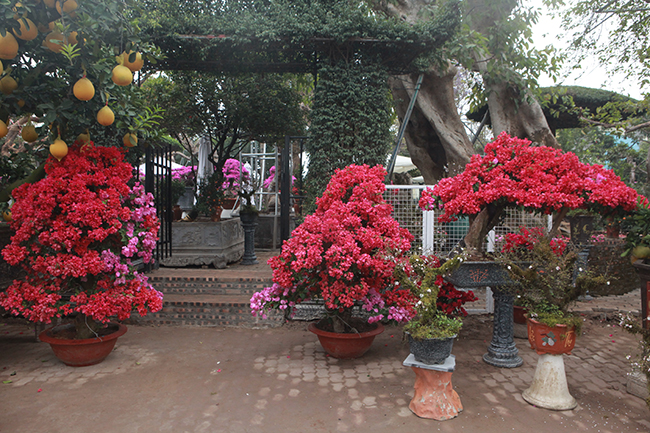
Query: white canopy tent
(158, 170)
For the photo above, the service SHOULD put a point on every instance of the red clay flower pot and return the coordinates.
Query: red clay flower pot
(554, 340)
(346, 346)
(80, 353)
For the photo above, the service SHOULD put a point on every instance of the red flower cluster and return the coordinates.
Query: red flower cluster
(528, 237)
(537, 178)
(70, 230)
(346, 251)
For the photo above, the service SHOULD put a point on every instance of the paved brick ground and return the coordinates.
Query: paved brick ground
(181, 379)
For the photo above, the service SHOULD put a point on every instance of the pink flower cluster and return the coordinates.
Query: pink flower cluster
(537, 178)
(74, 233)
(233, 173)
(345, 252)
(184, 174)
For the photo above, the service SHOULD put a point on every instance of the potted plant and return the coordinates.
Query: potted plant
(549, 277)
(344, 254)
(235, 176)
(514, 174)
(439, 307)
(210, 196)
(77, 232)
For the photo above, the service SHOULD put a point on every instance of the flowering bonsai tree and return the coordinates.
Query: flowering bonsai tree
(514, 174)
(76, 232)
(345, 254)
(440, 306)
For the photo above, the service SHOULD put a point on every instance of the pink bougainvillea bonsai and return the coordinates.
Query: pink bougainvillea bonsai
(76, 232)
(345, 254)
(512, 173)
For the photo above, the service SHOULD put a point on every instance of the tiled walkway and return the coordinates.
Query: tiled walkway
(174, 379)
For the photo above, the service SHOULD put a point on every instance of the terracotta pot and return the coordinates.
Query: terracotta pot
(228, 203)
(554, 340)
(80, 353)
(177, 212)
(346, 346)
(216, 214)
(519, 314)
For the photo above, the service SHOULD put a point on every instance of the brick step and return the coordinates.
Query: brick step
(210, 286)
(206, 310)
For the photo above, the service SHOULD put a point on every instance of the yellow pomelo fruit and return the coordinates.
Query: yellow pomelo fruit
(84, 137)
(15, 9)
(3, 129)
(52, 25)
(6, 215)
(59, 149)
(68, 7)
(54, 41)
(21, 103)
(72, 38)
(8, 85)
(84, 89)
(641, 252)
(49, 3)
(130, 140)
(122, 76)
(105, 116)
(26, 32)
(137, 63)
(8, 46)
(29, 133)
(2, 68)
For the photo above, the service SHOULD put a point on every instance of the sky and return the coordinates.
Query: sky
(592, 73)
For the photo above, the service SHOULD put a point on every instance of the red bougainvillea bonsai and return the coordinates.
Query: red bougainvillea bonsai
(76, 231)
(345, 254)
(512, 173)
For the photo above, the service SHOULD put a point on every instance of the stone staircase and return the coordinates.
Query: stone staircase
(209, 297)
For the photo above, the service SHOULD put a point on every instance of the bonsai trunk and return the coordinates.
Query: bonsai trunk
(85, 327)
(479, 226)
(341, 320)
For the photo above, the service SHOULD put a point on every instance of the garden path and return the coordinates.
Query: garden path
(184, 379)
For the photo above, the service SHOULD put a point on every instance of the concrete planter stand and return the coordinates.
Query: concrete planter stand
(502, 351)
(549, 388)
(434, 395)
(201, 243)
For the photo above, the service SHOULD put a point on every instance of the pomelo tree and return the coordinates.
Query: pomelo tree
(62, 62)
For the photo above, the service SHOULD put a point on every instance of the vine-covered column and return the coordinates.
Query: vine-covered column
(350, 121)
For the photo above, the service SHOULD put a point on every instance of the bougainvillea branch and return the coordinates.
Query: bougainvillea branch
(515, 174)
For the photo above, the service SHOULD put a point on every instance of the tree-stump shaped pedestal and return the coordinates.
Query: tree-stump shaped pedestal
(434, 396)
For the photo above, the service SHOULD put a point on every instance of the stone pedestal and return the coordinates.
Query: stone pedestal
(434, 396)
(502, 351)
(549, 388)
(206, 243)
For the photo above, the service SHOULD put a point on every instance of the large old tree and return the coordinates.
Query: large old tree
(493, 44)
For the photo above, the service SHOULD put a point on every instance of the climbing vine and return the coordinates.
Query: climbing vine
(350, 121)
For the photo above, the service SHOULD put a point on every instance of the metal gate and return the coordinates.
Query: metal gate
(158, 181)
(292, 165)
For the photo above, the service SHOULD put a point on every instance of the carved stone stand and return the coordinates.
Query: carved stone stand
(249, 223)
(502, 351)
(434, 396)
(549, 388)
